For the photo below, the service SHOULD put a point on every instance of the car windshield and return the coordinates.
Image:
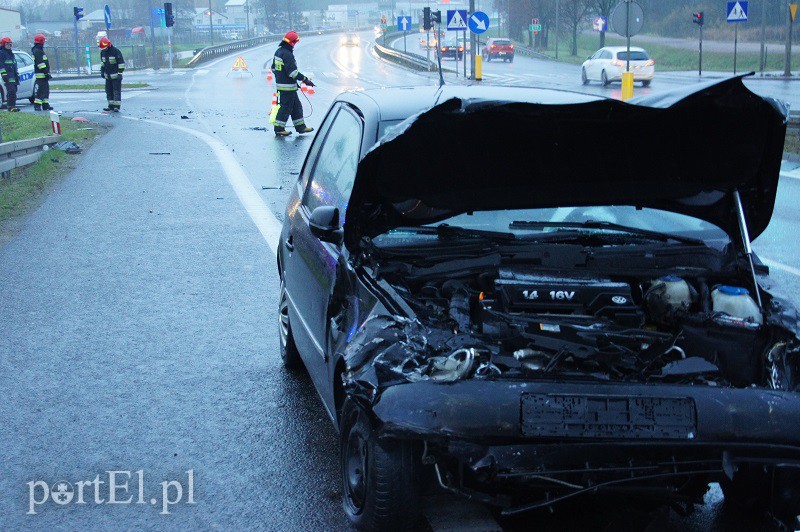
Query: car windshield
(635, 56)
(599, 219)
(501, 42)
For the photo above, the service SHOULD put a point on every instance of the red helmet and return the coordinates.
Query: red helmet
(38, 38)
(104, 43)
(291, 37)
(5, 40)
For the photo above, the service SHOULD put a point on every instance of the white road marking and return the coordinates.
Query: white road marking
(201, 72)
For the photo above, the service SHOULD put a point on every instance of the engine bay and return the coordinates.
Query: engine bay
(528, 321)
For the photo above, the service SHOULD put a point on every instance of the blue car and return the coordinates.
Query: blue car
(523, 325)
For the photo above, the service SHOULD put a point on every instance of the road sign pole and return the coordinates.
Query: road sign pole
(169, 45)
(465, 53)
(405, 47)
(628, 31)
(787, 59)
(152, 34)
(473, 43)
(735, 45)
(557, 11)
(77, 50)
(761, 58)
(700, 64)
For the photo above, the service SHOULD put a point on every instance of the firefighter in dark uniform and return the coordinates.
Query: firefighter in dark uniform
(41, 69)
(286, 77)
(112, 65)
(8, 70)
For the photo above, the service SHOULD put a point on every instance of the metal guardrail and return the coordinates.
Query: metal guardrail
(408, 59)
(21, 152)
(794, 121)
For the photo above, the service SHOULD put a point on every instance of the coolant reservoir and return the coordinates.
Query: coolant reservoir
(735, 301)
(672, 292)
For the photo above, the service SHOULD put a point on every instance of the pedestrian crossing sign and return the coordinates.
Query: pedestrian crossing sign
(456, 19)
(737, 11)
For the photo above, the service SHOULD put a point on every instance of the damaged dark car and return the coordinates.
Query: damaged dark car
(524, 323)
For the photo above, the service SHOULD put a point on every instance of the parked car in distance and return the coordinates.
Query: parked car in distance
(26, 86)
(526, 338)
(607, 65)
(498, 48)
(452, 50)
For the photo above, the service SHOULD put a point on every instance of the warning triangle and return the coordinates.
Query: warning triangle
(737, 13)
(239, 64)
(793, 10)
(457, 21)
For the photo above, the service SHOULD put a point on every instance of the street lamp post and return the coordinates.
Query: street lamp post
(211, 22)
(247, 13)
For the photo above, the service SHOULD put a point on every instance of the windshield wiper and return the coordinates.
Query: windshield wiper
(592, 224)
(445, 230)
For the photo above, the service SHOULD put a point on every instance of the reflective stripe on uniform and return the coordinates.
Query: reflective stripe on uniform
(114, 76)
(279, 123)
(41, 76)
(286, 86)
(294, 73)
(278, 63)
(41, 65)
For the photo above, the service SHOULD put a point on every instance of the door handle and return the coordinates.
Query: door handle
(289, 243)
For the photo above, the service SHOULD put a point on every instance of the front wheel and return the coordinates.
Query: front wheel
(381, 491)
(604, 79)
(646, 83)
(290, 356)
(584, 79)
(488, 58)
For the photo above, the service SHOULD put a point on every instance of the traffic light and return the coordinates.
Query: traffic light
(697, 18)
(78, 12)
(169, 17)
(426, 18)
(436, 16)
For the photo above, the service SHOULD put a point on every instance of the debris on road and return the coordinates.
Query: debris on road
(265, 187)
(184, 117)
(160, 153)
(68, 147)
(79, 119)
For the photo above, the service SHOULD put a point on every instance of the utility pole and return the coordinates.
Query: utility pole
(247, 13)
(558, 9)
(152, 33)
(211, 22)
(762, 58)
(787, 61)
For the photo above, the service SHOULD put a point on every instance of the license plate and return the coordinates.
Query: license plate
(599, 416)
(502, 53)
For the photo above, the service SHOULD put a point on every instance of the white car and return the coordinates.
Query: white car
(26, 79)
(607, 65)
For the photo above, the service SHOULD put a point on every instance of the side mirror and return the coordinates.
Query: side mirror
(324, 224)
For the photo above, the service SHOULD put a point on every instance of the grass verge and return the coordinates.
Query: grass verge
(792, 143)
(27, 186)
(94, 86)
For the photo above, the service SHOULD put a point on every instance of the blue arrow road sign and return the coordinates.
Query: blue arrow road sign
(737, 11)
(478, 22)
(456, 19)
(403, 23)
(107, 15)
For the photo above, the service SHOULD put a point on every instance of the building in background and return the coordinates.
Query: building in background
(11, 24)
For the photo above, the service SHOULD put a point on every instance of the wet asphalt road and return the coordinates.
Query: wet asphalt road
(138, 324)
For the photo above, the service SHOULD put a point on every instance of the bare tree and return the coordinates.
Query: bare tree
(574, 12)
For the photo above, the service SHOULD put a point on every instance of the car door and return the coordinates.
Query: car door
(26, 79)
(311, 263)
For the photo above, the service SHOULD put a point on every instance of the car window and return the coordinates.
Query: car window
(502, 42)
(23, 59)
(606, 55)
(635, 56)
(315, 147)
(335, 168)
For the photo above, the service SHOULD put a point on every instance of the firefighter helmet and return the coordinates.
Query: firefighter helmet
(5, 40)
(38, 38)
(104, 43)
(291, 37)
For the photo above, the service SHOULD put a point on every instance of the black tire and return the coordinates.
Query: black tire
(584, 79)
(381, 489)
(290, 356)
(31, 98)
(511, 60)
(604, 79)
(488, 58)
(646, 83)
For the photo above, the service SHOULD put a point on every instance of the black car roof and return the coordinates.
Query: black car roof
(398, 103)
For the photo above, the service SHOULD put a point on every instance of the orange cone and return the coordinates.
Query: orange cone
(269, 75)
(303, 87)
(274, 98)
(310, 90)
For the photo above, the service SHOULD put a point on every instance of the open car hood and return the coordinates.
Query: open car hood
(685, 151)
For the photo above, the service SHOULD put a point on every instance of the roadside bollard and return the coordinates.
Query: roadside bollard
(55, 121)
(627, 86)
